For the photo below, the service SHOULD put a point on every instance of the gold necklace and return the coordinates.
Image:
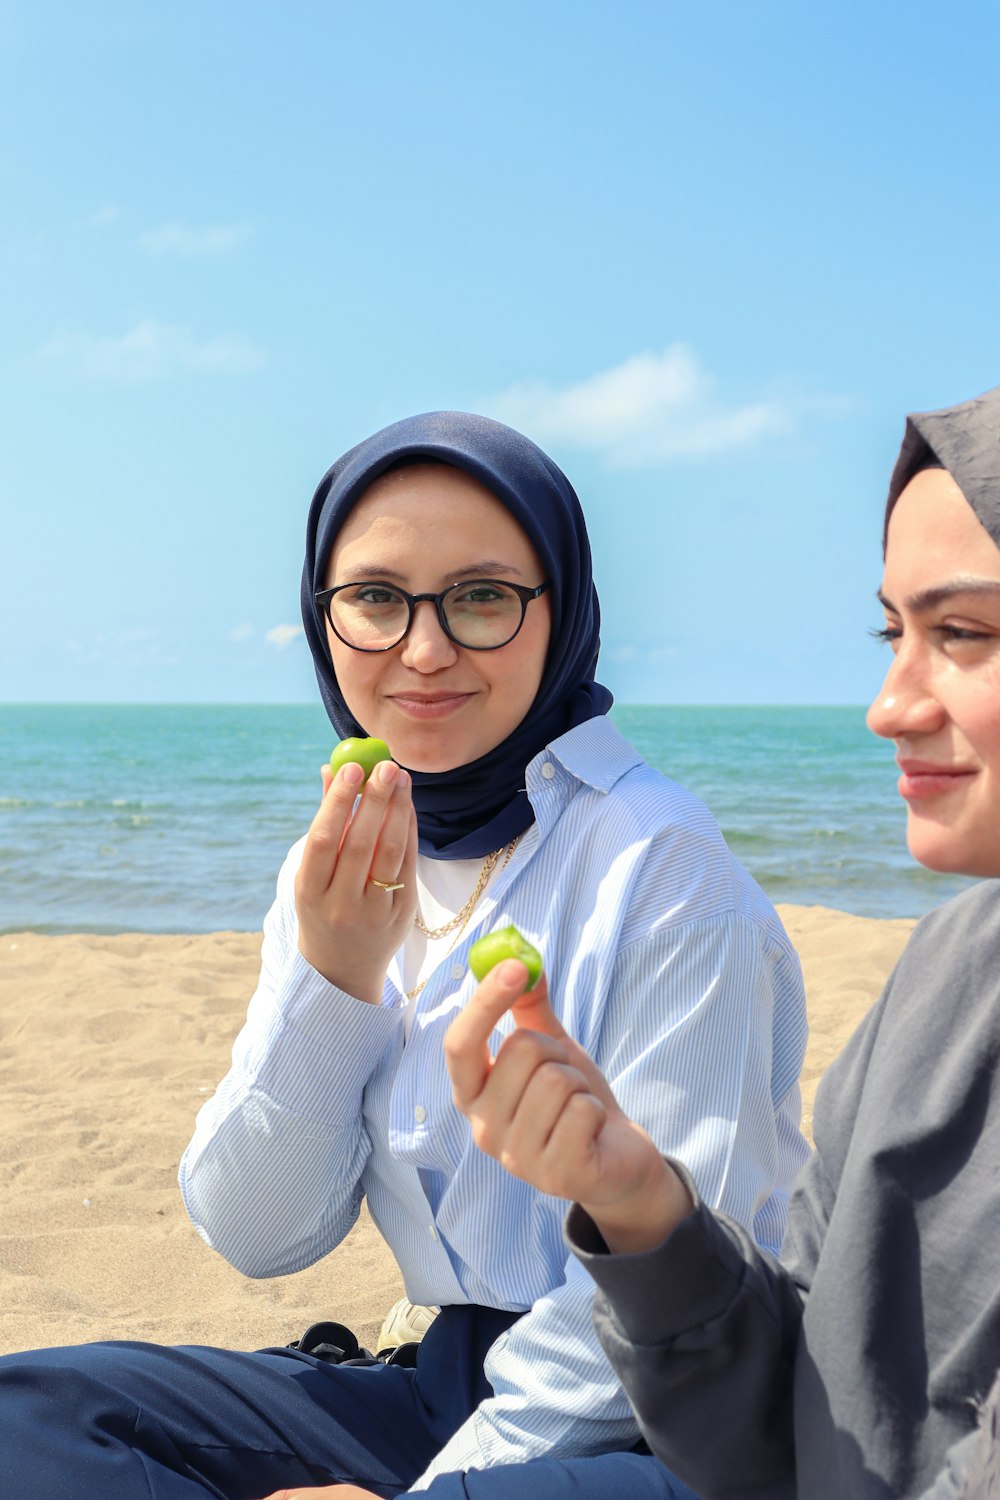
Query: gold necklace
(489, 865)
(462, 917)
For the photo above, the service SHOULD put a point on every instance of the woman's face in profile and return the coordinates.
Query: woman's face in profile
(940, 701)
(423, 528)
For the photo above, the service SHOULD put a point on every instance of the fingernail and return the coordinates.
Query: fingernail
(385, 772)
(511, 973)
(351, 774)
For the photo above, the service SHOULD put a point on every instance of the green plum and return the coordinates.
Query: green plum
(367, 754)
(506, 942)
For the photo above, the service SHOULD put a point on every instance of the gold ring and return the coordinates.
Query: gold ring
(388, 885)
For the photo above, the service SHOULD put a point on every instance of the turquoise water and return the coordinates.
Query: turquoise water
(176, 819)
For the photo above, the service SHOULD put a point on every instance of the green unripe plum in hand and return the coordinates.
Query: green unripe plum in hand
(366, 753)
(506, 942)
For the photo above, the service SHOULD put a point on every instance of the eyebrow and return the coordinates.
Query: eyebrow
(491, 567)
(926, 599)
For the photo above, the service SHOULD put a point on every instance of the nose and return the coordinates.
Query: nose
(425, 647)
(906, 703)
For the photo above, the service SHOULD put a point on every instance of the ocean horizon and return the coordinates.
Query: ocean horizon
(176, 817)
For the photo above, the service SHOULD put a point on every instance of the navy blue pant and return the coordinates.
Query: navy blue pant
(124, 1421)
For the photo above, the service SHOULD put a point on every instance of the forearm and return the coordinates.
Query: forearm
(703, 1323)
(244, 1186)
(271, 1176)
(639, 1222)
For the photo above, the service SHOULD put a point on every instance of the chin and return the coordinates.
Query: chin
(438, 752)
(952, 856)
(423, 758)
(426, 764)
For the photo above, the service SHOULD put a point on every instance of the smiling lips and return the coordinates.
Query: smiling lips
(428, 705)
(923, 778)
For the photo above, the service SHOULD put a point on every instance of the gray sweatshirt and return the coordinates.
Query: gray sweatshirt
(848, 1371)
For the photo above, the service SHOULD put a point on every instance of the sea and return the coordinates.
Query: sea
(176, 818)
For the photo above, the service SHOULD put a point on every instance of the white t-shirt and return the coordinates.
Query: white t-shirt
(444, 886)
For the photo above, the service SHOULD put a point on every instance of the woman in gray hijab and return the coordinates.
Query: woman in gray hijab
(858, 1366)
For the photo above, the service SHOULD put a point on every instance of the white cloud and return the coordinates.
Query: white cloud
(214, 240)
(241, 632)
(624, 653)
(105, 215)
(149, 351)
(283, 635)
(648, 410)
(130, 646)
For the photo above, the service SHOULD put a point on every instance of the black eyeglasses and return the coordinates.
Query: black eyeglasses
(480, 614)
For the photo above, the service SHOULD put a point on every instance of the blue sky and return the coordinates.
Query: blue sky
(708, 256)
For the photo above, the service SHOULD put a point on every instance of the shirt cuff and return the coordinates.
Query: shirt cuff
(661, 1293)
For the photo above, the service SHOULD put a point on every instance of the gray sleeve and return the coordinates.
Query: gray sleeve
(972, 1465)
(702, 1332)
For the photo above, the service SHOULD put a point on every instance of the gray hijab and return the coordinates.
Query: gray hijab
(963, 439)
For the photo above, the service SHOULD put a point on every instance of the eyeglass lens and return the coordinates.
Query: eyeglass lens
(372, 616)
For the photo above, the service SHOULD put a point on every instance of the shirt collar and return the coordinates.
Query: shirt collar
(594, 753)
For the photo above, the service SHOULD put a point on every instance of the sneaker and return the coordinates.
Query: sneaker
(405, 1324)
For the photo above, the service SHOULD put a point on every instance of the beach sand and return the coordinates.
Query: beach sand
(108, 1046)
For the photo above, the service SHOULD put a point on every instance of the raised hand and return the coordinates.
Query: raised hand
(349, 927)
(544, 1110)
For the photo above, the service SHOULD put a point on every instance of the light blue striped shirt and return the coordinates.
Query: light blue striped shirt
(664, 960)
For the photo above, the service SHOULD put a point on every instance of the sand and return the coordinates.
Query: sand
(108, 1045)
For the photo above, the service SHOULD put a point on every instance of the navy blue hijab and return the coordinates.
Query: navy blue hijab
(473, 809)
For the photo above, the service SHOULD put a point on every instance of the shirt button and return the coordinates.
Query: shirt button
(548, 770)
(419, 1114)
(457, 972)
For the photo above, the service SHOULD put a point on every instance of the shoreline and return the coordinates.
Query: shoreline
(108, 1046)
(14, 931)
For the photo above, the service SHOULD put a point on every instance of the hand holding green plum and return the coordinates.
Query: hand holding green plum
(544, 1110)
(356, 888)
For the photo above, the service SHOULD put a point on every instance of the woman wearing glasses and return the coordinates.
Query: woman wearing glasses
(450, 609)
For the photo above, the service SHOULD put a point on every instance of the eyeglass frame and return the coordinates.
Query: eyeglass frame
(323, 597)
